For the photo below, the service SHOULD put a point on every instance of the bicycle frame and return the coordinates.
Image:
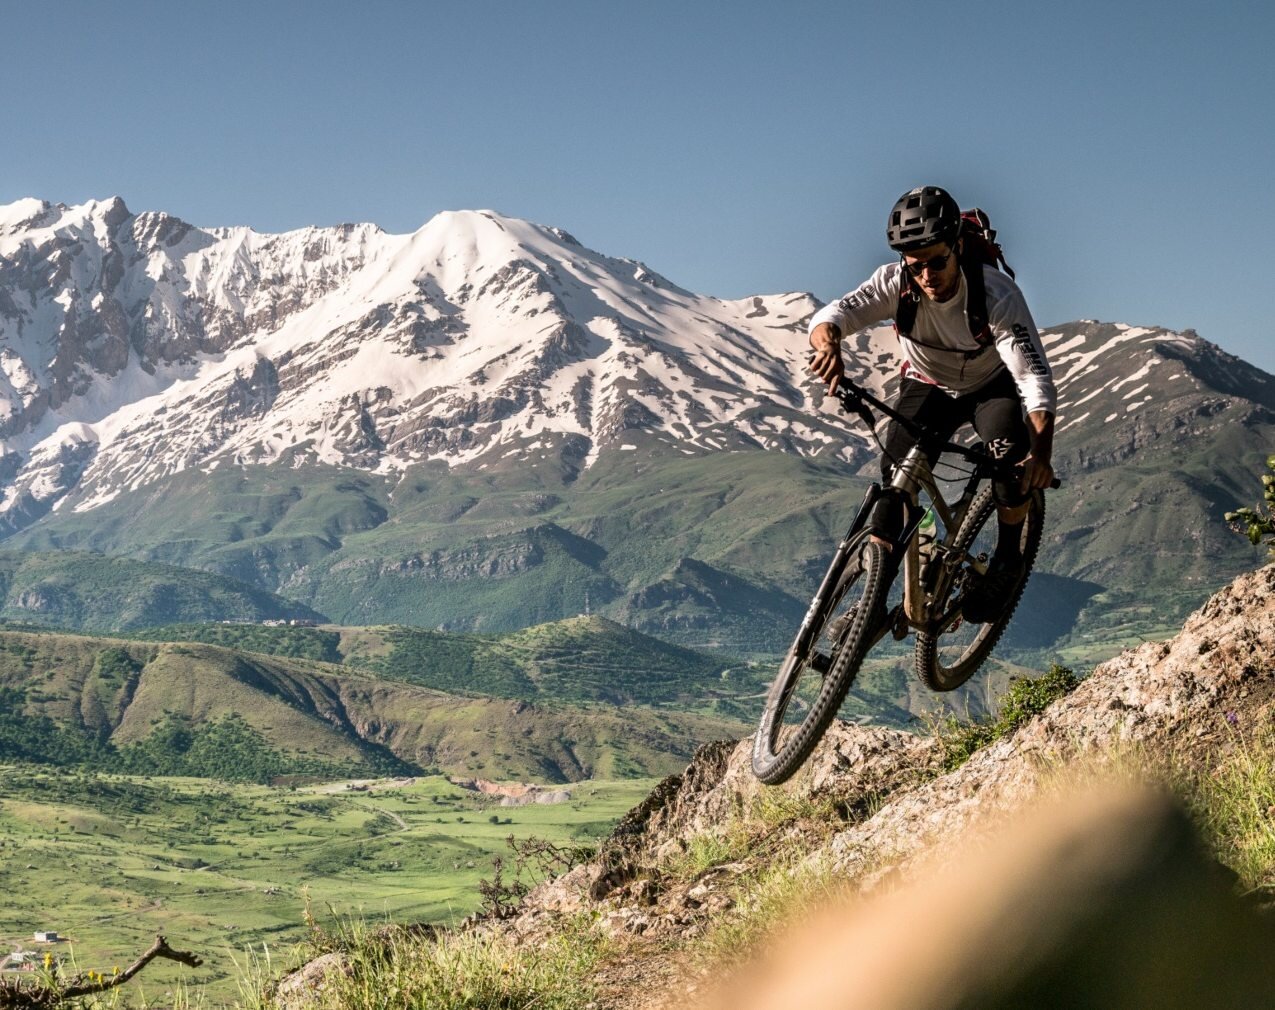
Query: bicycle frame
(912, 476)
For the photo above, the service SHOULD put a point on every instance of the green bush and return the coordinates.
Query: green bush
(1026, 697)
(38, 739)
(1259, 522)
(390, 966)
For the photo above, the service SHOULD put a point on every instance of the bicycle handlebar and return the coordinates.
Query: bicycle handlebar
(856, 400)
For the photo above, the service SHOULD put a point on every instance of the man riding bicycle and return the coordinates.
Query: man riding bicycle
(971, 354)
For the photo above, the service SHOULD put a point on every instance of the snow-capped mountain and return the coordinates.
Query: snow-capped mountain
(150, 371)
(133, 347)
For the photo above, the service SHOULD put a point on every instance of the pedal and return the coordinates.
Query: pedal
(837, 628)
(899, 625)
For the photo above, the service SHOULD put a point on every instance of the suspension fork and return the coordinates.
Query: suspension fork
(837, 566)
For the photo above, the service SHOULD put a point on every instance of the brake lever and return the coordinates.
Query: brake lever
(852, 402)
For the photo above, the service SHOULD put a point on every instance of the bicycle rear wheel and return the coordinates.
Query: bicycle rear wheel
(822, 664)
(950, 649)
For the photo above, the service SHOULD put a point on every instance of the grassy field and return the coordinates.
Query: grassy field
(109, 861)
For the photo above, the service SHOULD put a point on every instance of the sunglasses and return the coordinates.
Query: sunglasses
(935, 264)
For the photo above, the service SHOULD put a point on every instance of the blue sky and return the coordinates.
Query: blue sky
(1123, 149)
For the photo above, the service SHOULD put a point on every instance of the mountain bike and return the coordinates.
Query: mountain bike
(947, 546)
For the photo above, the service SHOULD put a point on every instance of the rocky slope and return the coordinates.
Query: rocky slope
(873, 802)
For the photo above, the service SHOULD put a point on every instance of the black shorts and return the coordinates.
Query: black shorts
(996, 412)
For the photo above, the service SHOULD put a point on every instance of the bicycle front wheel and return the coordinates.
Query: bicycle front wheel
(822, 664)
(950, 649)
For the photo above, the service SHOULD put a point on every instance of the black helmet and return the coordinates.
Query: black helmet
(923, 216)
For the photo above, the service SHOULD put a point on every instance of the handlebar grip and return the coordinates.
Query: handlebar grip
(1055, 483)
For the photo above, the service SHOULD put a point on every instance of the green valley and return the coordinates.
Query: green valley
(227, 870)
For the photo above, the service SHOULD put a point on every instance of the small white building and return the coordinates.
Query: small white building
(47, 936)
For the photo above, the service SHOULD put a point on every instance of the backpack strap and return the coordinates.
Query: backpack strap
(909, 302)
(976, 301)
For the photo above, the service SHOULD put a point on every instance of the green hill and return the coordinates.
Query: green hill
(714, 549)
(91, 592)
(198, 709)
(577, 660)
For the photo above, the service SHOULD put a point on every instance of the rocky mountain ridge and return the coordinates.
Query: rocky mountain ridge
(485, 425)
(137, 346)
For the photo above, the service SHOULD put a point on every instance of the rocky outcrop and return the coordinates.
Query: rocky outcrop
(873, 803)
(515, 794)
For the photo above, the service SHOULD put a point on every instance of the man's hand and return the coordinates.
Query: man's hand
(827, 364)
(1038, 473)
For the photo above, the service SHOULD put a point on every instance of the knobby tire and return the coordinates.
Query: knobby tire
(931, 667)
(775, 759)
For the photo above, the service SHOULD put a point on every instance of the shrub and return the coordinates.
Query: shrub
(1259, 522)
(394, 966)
(1027, 697)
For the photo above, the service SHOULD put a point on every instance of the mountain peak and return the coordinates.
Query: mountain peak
(460, 244)
(135, 347)
(21, 213)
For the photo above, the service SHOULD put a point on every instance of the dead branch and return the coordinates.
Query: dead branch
(15, 996)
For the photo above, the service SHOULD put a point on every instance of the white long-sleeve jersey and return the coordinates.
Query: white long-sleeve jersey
(944, 352)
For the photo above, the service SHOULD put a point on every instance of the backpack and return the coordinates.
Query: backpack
(980, 248)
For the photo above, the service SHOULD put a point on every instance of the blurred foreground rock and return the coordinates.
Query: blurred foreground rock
(1095, 901)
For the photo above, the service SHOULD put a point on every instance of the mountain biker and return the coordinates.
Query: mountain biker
(999, 381)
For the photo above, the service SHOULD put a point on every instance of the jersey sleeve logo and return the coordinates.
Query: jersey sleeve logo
(859, 299)
(1022, 339)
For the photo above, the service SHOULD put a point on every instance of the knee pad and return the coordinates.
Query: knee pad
(886, 518)
(1009, 495)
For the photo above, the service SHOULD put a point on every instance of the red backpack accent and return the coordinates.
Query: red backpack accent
(978, 248)
(980, 240)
